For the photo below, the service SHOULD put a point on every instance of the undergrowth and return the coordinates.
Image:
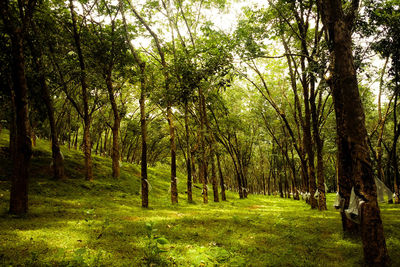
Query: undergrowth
(101, 223)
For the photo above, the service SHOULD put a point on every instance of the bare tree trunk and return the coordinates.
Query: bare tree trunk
(192, 159)
(58, 160)
(143, 126)
(189, 156)
(86, 116)
(319, 146)
(23, 145)
(115, 128)
(352, 134)
(174, 187)
(203, 164)
(76, 139)
(221, 179)
(214, 175)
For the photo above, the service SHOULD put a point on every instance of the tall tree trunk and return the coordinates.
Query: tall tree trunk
(352, 133)
(203, 162)
(58, 160)
(189, 156)
(309, 149)
(86, 115)
(174, 187)
(76, 139)
(115, 128)
(214, 175)
(221, 178)
(104, 146)
(23, 148)
(143, 126)
(381, 124)
(319, 146)
(194, 174)
(87, 148)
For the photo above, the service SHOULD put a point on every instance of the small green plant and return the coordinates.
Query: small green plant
(155, 246)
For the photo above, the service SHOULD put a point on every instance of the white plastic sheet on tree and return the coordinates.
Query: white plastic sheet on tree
(354, 211)
(316, 194)
(339, 202)
(382, 190)
(326, 188)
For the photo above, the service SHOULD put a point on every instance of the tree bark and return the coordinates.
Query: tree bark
(221, 178)
(143, 126)
(214, 175)
(23, 145)
(115, 155)
(352, 134)
(319, 145)
(174, 187)
(87, 148)
(203, 161)
(189, 156)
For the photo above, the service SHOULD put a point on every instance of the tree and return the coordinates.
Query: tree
(17, 27)
(355, 168)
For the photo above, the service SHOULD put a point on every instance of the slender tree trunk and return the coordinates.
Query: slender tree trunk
(76, 139)
(203, 164)
(221, 179)
(319, 146)
(189, 156)
(143, 126)
(86, 116)
(87, 148)
(352, 134)
(58, 160)
(105, 146)
(115, 155)
(192, 160)
(174, 187)
(381, 123)
(214, 175)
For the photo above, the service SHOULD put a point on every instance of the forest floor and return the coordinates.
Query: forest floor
(101, 223)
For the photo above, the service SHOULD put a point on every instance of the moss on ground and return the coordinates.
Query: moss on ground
(78, 223)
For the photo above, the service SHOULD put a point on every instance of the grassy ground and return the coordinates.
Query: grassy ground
(76, 223)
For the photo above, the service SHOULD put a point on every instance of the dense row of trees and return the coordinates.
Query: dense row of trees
(252, 109)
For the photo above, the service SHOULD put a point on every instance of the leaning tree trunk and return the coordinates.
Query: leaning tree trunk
(352, 134)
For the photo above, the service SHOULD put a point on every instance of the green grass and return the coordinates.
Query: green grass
(77, 223)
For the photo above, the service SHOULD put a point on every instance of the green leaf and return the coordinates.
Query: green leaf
(149, 226)
(162, 241)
